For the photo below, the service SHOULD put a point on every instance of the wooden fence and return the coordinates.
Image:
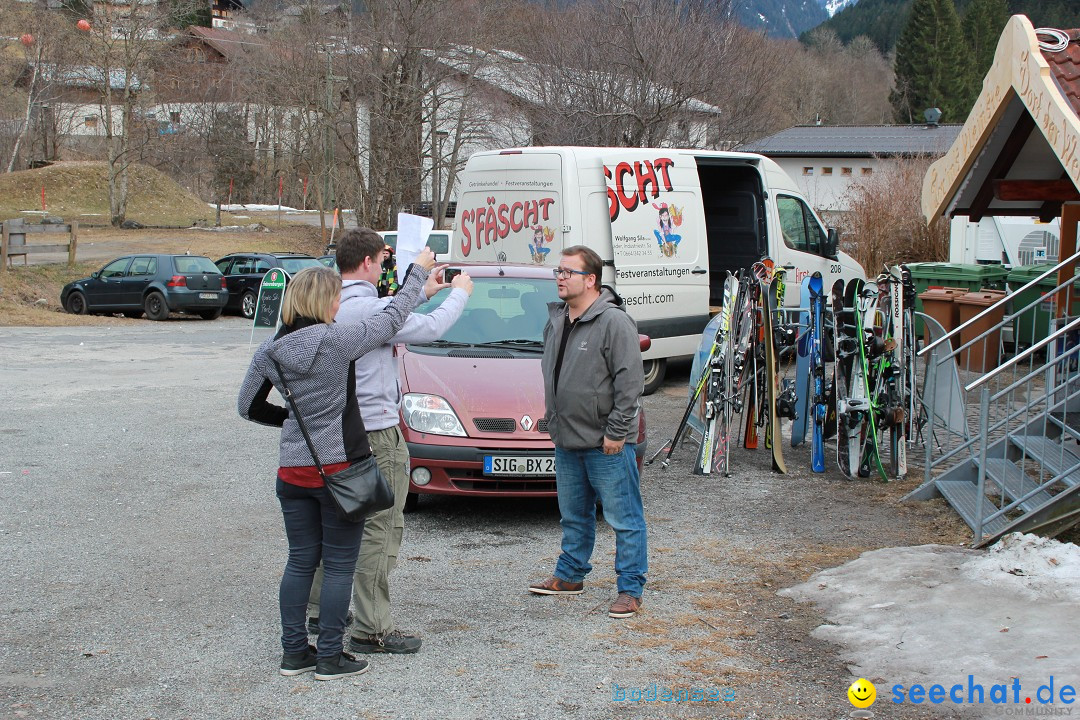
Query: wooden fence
(14, 240)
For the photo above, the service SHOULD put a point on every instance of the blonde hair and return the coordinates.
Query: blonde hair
(311, 294)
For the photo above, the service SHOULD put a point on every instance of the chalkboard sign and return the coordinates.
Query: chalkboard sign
(271, 291)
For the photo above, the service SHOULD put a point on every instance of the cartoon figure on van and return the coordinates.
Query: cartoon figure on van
(541, 236)
(669, 218)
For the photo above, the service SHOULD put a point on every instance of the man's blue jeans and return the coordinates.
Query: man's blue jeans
(582, 477)
(316, 532)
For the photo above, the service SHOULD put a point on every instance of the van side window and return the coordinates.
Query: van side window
(798, 225)
(792, 225)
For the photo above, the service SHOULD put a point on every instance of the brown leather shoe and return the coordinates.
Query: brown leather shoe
(624, 606)
(555, 586)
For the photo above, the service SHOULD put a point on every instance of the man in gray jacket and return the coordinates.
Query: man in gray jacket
(593, 383)
(360, 253)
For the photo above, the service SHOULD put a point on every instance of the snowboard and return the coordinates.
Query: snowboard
(817, 406)
(802, 368)
(772, 292)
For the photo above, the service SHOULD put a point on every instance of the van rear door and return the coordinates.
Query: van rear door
(658, 245)
(510, 209)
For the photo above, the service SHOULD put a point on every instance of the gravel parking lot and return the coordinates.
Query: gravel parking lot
(143, 545)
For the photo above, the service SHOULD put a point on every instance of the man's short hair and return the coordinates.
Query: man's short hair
(589, 259)
(356, 245)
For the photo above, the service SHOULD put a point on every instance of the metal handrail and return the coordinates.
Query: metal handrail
(1009, 417)
(1035, 373)
(1020, 356)
(1005, 320)
(1032, 493)
(1031, 283)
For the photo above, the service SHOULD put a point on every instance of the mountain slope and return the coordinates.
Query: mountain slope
(882, 20)
(780, 18)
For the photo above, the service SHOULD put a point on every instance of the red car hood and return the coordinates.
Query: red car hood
(499, 388)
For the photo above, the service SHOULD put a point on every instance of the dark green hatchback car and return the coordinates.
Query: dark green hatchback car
(150, 283)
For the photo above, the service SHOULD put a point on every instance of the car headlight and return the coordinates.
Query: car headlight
(430, 414)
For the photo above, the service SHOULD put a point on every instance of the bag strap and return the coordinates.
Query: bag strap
(299, 420)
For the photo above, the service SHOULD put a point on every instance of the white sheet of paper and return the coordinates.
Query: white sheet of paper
(412, 236)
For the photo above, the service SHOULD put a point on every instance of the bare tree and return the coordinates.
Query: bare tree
(409, 113)
(885, 223)
(44, 40)
(834, 84)
(120, 43)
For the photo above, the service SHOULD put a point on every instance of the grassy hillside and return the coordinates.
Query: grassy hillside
(80, 191)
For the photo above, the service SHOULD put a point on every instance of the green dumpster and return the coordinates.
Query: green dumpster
(1034, 324)
(954, 275)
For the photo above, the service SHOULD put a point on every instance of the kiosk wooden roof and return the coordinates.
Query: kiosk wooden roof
(1019, 150)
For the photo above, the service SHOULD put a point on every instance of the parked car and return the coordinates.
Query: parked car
(244, 272)
(329, 261)
(151, 284)
(473, 401)
(438, 241)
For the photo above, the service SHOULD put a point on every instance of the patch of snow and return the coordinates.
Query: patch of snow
(268, 208)
(937, 614)
(834, 6)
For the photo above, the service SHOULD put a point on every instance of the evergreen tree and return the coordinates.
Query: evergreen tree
(932, 64)
(983, 22)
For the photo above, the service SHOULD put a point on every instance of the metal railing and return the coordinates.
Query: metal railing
(997, 411)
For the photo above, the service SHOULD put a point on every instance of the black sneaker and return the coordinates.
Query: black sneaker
(313, 624)
(394, 642)
(342, 665)
(297, 663)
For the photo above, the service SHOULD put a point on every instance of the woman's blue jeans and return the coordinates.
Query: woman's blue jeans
(583, 477)
(316, 533)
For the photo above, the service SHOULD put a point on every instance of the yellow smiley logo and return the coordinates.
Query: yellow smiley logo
(862, 693)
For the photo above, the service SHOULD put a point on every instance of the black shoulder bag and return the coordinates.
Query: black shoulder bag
(357, 491)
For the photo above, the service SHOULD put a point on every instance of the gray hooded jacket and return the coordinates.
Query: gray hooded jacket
(318, 361)
(601, 379)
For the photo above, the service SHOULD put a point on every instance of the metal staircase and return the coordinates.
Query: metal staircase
(1003, 447)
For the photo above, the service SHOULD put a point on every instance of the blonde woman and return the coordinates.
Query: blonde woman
(317, 358)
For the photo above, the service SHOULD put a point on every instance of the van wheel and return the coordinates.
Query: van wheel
(411, 501)
(654, 374)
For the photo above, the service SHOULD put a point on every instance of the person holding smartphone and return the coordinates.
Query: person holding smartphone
(378, 392)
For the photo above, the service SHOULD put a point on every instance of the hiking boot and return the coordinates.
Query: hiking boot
(555, 586)
(313, 624)
(394, 642)
(341, 665)
(624, 606)
(297, 663)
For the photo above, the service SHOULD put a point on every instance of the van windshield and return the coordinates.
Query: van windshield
(511, 311)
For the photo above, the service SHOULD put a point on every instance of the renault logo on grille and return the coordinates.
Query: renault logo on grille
(526, 423)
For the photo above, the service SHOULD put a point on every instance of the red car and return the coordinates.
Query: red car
(473, 401)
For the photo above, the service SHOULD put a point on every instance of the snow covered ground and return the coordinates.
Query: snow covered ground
(961, 619)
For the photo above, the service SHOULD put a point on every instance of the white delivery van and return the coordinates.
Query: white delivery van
(666, 222)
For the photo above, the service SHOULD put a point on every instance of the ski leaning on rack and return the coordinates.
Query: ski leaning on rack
(895, 413)
(713, 453)
(845, 348)
(802, 369)
(769, 292)
(817, 405)
(870, 370)
(754, 362)
(695, 399)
